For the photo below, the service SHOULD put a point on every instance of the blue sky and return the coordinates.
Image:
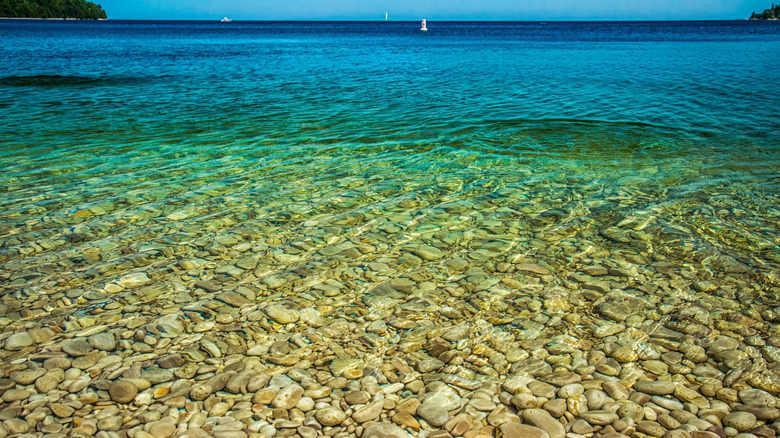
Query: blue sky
(433, 9)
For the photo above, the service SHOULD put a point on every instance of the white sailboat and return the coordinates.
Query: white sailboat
(385, 16)
(424, 28)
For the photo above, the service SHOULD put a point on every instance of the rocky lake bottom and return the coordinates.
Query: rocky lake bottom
(471, 302)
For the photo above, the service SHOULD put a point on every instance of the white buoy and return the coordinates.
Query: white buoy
(423, 25)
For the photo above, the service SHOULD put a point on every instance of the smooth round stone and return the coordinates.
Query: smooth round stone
(446, 399)
(383, 430)
(513, 429)
(27, 377)
(54, 363)
(46, 383)
(599, 417)
(524, 401)
(667, 403)
(103, 341)
(543, 420)
(650, 428)
(111, 423)
(428, 253)
(282, 315)
(581, 427)
(433, 413)
(61, 410)
(330, 416)
(657, 387)
(556, 407)
(596, 399)
(756, 397)
(368, 412)
(16, 426)
(616, 390)
(357, 397)
(287, 397)
(234, 434)
(624, 354)
(77, 348)
(742, 421)
(122, 392)
(17, 341)
(157, 375)
(163, 428)
(13, 395)
(219, 409)
(541, 389)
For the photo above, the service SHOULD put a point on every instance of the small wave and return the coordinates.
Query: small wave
(64, 80)
(47, 80)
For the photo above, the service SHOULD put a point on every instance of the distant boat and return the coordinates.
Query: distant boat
(423, 25)
(385, 16)
(226, 20)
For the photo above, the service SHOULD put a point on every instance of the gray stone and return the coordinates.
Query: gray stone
(122, 392)
(17, 341)
(157, 375)
(168, 361)
(103, 341)
(433, 413)
(77, 348)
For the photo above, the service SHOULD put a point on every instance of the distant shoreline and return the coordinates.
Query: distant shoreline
(62, 19)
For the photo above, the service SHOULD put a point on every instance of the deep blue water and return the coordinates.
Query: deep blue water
(675, 122)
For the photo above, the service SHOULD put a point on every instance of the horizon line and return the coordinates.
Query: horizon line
(624, 20)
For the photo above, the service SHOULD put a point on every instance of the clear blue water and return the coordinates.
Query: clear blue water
(142, 133)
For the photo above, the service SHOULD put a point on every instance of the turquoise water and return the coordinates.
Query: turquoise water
(123, 139)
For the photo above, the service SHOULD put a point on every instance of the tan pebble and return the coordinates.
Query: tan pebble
(352, 374)
(163, 428)
(13, 395)
(122, 392)
(162, 391)
(406, 420)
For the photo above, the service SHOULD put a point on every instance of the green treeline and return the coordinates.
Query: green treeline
(51, 9)
(772, 13)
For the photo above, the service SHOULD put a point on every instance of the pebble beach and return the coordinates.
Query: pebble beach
(598, 284)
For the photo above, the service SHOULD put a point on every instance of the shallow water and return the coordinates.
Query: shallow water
(484, 140)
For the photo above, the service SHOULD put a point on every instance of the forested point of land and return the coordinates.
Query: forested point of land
(772, 13)
(51, 9)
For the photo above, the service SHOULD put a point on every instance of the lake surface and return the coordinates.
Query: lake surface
(522, 176)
